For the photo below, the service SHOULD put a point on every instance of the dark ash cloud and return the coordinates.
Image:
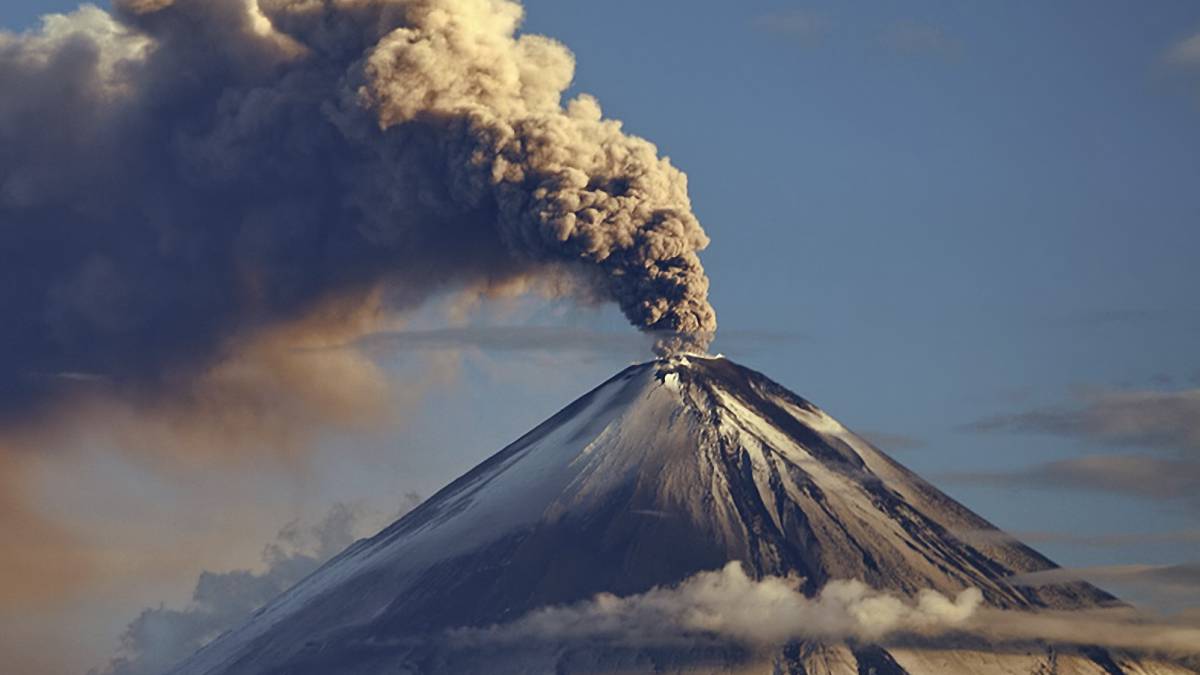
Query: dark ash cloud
(179, 178)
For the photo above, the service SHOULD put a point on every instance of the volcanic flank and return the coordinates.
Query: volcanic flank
(677, 481)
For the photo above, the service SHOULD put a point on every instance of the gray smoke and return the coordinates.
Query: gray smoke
(178, 177)
(160, 636)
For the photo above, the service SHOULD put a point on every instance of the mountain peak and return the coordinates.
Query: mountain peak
(671, 468)
(685, 359)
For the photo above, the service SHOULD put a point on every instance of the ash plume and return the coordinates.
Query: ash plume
(179, 178)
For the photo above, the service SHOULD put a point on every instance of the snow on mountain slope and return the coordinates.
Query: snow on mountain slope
(670, 468)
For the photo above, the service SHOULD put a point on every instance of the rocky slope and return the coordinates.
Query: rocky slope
(670, 468)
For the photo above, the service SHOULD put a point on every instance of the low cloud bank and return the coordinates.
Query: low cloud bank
(728, 605)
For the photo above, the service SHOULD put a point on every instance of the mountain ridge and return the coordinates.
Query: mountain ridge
(669, 468)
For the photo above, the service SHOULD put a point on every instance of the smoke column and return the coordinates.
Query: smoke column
(179, 176)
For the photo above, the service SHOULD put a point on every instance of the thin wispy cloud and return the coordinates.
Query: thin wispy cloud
(1139, 418)
(806, 27)
(1169, 587)
(1186, 52)
(1143, 476)
(547, 339)
(1128, 316)
(1113, 540)
(909, 36)
(1179, 578)
(507, 339)
(1150, 420)
(889, 442)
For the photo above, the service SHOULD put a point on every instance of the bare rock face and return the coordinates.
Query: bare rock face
(671, 468)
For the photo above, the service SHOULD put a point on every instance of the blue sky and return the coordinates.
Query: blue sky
(966, 211)
(976, 220)
(938, 212)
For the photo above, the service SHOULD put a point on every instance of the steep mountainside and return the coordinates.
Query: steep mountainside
(670, 468)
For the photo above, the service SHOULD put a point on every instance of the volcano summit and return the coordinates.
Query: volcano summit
(632, 502)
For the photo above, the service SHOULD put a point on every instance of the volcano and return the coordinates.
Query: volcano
(669, 469)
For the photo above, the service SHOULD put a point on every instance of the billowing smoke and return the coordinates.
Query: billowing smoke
(179, 178)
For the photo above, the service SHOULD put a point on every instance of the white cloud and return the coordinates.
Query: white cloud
(803, 26)
(727, 605)
(917, 37)
(1185, 52)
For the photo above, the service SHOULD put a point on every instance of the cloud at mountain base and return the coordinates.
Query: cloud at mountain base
(728, 605)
